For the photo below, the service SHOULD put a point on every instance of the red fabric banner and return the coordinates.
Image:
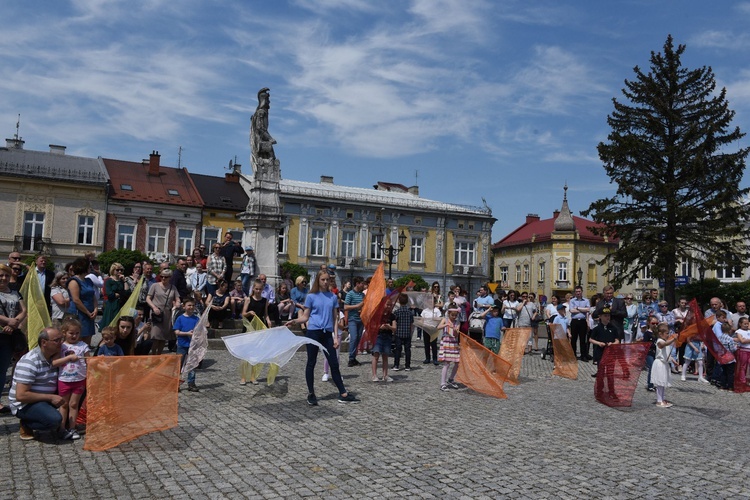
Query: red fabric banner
(702, 328)
(481, 369)
(618, 372)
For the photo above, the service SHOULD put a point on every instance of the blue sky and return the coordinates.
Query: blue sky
(501, 100)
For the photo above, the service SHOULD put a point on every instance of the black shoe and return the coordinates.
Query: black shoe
(349, 398)
(426, 362)
(593, 375)
(312, 400)
(436, 362)
(351, 363)
(193, 388)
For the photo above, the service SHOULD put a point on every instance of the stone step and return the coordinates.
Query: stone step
(216, 345)
(217, 333)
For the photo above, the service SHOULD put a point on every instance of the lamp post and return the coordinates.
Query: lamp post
(390, 251)
(701, 276)
(580, 275)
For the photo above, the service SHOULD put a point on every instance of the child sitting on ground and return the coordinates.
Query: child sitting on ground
(237, 300)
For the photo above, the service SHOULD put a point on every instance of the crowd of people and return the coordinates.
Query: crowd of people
(49, 381)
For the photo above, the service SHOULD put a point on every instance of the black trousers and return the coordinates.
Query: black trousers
(578, 330)
(405, 344)
(429, 346)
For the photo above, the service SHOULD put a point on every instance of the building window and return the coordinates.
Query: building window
(126, 237)
(542, 272)
(33, 228)
(210, 236)
(518, 274)
(417, 250)
(562, 271)
(157, 239)
(85, 229)
(686, 268)
(318, 242)
(591, 274)
(348, 239)
(282, 240)
(465, 253)
(504, 274)
(728, 271)
(185, 241)
(525, 273)
(376, 247)
(646, 273)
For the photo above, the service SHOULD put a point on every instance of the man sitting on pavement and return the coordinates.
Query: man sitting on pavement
(33, 397)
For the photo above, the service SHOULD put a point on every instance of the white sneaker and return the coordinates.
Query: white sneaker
(387, 379)
(375, 379)
(683, 379)
(701, 379)
(325, 377)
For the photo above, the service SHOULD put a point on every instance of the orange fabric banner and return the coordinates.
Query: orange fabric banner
(512, 348)
(481, 369)
(375, 292)
(129, 396)
(566, 364)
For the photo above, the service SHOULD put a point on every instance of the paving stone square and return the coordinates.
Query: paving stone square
(406, 439)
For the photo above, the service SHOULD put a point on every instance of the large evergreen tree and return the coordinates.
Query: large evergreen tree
(671, 154)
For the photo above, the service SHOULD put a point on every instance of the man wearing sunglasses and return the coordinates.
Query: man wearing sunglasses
(32, 396)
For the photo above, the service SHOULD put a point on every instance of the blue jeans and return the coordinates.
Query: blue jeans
(356, 327)
(247, 280)
(326, 339)
(182, 351)
(40, 416)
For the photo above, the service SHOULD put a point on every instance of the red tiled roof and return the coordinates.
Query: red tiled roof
(151, 188)
(542, 230)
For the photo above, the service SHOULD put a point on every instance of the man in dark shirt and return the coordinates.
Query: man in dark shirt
(617, 307)
(178, 279)
(230, 250)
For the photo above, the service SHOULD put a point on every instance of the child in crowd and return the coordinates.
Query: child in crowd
(562, 320)
(382, 348)
(404, 325)
(143, 341)
(108, 346)
(126, 335)
(493, 328)
(237, 300)
(430, 346)
(449, 351)
(71, 381)
(726, 380)
(660, 368)
(742, 337)
(694, 353)
(184, 326)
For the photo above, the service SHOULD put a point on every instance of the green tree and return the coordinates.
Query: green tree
(294, 270)
(678, 194)
(127, 258)
(419, 282)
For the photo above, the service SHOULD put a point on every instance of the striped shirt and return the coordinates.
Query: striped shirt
(33, 370)
(352, 299)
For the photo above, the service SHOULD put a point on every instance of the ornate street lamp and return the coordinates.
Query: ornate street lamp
(390, 251)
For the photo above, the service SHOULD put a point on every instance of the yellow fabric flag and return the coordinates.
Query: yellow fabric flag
(128, 308)
(251, 372)
(37, 315)
(129, 396)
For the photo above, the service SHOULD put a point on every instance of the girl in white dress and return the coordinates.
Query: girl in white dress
(660, 369)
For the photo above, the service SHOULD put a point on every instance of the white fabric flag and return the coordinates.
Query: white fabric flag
(198, 344)
(275, 345)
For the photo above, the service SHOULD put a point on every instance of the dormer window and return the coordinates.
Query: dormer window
(126, 187)
(173, 192)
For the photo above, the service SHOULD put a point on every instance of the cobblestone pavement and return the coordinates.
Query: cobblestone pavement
(549, 439)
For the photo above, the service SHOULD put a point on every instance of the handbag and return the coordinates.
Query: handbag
(158, 318)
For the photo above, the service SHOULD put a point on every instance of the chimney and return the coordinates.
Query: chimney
(532, 218)
(232, 177)
(56, 149)
(414, 190)
(14, 143)
(555, 214)
(326, 179)
(153, 163)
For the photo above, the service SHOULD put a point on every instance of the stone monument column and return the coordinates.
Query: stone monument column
(262, 218)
